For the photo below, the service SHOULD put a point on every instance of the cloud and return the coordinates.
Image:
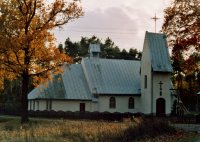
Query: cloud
(112, 22)
(125, 22)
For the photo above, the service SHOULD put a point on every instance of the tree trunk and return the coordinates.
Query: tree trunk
(24, 98)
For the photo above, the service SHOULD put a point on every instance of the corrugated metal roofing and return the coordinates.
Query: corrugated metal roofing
(75, 83)
(70, 85)
(110, 76)
(159, 52)
(98, 76)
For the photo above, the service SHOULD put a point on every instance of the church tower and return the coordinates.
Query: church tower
(156, 72)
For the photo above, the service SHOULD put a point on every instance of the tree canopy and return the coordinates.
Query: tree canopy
(182, 20)
(109, 50)
(182, 27)
(27, 48)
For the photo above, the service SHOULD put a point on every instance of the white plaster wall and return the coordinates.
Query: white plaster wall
(42, 105)
(166, 93)
(121, 104)
(146, 100)
(39, 105)
(61, 105)
(69, 105)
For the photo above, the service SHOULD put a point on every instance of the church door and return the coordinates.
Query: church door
(82, 107)
(160, 107)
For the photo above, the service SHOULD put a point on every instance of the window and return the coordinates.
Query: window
(82, 107)
(145, 81)
(30, 105)
(33, 104)
(131, 103)
(48, 105)
(37, 105)
(112, 102)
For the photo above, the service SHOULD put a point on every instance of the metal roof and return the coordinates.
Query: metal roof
(110, 76)
(69, 85)
(92, 76)
(159, 52)
(75, 83)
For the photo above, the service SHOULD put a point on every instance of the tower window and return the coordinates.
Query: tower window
(145, 81)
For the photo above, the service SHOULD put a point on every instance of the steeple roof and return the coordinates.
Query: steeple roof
(159, 53)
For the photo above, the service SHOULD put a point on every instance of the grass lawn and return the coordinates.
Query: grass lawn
(88, 131)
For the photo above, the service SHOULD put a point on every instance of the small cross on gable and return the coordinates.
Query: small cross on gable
(160, 83)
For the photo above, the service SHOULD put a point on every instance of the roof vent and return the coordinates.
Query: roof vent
(94, 50)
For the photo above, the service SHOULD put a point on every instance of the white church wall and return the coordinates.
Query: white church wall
(62, 105)
(37, 105)
(146, 71)
(70, 105)
(41, 105)
(121, 104)
(166, 93)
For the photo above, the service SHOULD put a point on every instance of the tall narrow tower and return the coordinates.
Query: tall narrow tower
(155, 75)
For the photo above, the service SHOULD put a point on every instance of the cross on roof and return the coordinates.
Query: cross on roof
(160, 85)
(155, 18)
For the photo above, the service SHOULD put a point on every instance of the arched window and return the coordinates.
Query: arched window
(112, 102)
(131, 103)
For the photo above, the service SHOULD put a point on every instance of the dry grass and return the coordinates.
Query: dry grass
(60, 130)
(81, 131)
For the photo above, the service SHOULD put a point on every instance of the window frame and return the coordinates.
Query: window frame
(112, 102)
(131, 103)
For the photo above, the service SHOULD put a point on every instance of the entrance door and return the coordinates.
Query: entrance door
(160, 107)
(82, 107)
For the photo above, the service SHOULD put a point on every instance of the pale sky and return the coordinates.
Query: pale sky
(124, 21)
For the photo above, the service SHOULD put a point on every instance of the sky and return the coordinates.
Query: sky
(124, 21)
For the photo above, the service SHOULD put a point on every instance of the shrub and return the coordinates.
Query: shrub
(150, 127)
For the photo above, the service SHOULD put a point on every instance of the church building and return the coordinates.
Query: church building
(111, 85)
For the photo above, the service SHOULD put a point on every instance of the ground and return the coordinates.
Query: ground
(60, 130)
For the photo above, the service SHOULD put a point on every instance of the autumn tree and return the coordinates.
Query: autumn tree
(27, 48)
(181, 25)
(182, 20)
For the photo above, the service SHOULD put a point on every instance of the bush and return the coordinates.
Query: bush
(150, 127)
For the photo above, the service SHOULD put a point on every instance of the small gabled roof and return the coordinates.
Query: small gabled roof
(159, 53)
(112, 76)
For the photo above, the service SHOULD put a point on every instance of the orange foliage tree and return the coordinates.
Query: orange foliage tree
(27, 44)
(182, 27)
